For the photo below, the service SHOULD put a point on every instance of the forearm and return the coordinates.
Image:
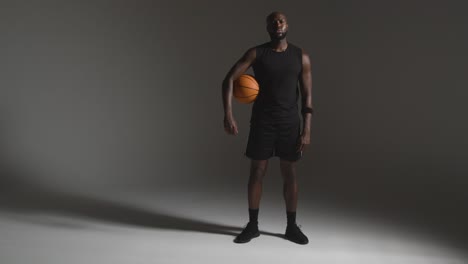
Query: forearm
(307, 112)
(306, 120)
(227, 96)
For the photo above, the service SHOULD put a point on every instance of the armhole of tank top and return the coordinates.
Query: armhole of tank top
(258, 54)
(258, 51)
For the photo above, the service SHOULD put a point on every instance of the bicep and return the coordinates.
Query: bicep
(306, 74)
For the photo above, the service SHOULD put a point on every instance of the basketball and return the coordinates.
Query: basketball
(245, 89)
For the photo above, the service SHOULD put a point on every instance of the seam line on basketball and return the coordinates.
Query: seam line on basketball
(245, 96)
(247, 87)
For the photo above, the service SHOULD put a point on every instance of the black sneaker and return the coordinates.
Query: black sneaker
(294, 234)
(250, 231)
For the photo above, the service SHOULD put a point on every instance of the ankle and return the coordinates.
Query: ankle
(253, 224)
(291, 217)
(253, 216)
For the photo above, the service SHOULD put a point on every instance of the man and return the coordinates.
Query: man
(279, 67)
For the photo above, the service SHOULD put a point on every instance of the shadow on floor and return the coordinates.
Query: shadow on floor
(20, 195)
(69, 205)
(107, 211)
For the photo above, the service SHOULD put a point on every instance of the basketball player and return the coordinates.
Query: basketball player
(275, 124)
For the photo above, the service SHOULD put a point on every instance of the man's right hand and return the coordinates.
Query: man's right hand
(230, 126)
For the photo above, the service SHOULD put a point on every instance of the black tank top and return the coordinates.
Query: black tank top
(277, 74)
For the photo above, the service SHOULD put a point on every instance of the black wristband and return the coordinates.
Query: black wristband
(307, 110)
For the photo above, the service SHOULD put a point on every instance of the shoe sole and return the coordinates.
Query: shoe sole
(287, 238)
(245, 241)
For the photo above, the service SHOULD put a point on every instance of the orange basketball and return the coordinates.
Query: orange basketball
(245, 89)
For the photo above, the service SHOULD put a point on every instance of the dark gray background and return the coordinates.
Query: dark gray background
(112, 96)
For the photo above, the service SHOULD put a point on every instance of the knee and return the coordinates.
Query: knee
(289, 181)
(257, 172)
(288, 171)
(287, 163)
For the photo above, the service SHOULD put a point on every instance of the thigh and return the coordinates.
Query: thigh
(261, 142)
(288, 138)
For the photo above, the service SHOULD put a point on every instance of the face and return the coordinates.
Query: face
(277, 26)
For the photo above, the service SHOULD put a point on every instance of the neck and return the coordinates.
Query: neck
(279, 44)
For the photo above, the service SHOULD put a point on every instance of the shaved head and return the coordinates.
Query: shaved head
(273, 15)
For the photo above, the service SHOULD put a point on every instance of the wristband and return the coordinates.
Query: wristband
(307, 110)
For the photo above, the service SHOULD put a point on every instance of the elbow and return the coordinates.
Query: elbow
(227, 81)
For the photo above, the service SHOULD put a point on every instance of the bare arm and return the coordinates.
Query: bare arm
(238, 69)
(306, 95)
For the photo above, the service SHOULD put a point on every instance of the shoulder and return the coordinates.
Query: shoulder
(261, 47)
(257, 50)
(250, 53)
(301, 53)
(304, 56)
(294, 47)
(297, 48)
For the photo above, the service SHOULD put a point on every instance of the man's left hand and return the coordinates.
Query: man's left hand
(304, 140)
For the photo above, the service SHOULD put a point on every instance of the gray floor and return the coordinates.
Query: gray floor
(196, 227)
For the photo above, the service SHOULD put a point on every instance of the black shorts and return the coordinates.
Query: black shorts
(268, 140)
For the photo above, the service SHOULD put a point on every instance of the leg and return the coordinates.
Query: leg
(288, 171)
(289, 156)
(259, 150)
(286, 149)
(257, 173)
(293, 232)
